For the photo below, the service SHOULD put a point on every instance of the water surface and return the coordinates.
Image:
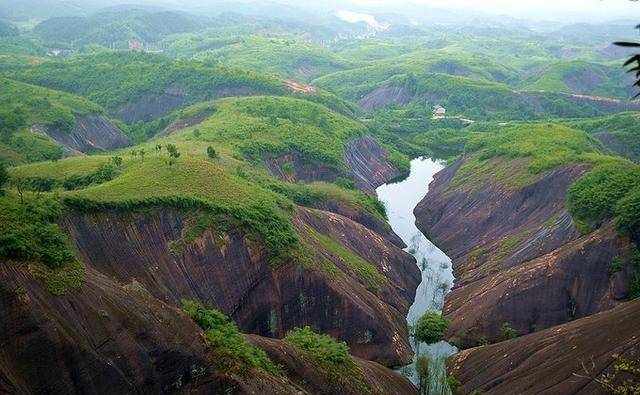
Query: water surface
(400, 199)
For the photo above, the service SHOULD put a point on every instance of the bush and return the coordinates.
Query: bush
(29, 233)
(106, 172)
(211, 152)
(431, 328)
(507, 332)
(229, 345)
(331, 356)
(594, 197)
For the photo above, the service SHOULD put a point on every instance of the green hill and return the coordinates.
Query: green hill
(116, 26)
(286, 57)
(22, 106)
(582, 78)
(232, 184)
(137, 86)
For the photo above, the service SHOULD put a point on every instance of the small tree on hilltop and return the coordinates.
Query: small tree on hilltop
(158, 149)
(141, 153)
(431, 328)
(211, 152)
(117, 161)
(174, 154)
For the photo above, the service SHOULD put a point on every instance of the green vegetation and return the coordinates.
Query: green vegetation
(516, 155)
(431, 328)
(331, 357)
(507, 332)
(197, 183)
(115, 26)
(606, 192)
(286, 57)
(29, 233)
(581, 77)
(23, 106)
(114, 79)
(620, 132)
(256, 126)
(364, 270)
(4, 177)
(233, 352)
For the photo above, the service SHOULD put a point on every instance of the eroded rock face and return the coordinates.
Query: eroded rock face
(230, 272)
(562, 360)
(102, 338)
(112, 337)
(369, 163)
(153, 106)
(295, 167)
(379, 379)
(91, 133)
(517, 255)
(384, 96)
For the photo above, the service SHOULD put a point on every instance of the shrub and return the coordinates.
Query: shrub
(507, 332)
(331, 356)
(226, 341)
(595, 197)
(211, 152)
(431, 328)
(29, 233)
(106, 172)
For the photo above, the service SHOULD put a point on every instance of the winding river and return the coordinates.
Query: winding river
(400, 199)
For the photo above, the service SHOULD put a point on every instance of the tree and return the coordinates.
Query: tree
(211, 152)
(431, 327)
(117, 161)
(174, 154)
(507, 332)
(141, 153)
(158, 149)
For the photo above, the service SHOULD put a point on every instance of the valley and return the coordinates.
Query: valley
(270, 197)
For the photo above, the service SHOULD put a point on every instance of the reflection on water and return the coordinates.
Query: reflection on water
(400, 199)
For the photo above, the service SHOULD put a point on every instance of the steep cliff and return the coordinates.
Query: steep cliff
(90, 133)
(355, 285)
(573, 358)
(517, 255)
(116, 337)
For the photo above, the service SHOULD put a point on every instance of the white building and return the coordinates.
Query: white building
(439, 112)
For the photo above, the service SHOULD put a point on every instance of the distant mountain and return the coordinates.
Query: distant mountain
(117, 25)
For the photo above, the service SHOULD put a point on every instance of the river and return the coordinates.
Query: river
(400, 199)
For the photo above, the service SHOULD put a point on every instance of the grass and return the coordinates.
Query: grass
(230, 188)
(233, 352)
(23, 106)
(256, 126)
(331, 358)
(29, 235)
(516, 156)
(197, 183)
(363, 269)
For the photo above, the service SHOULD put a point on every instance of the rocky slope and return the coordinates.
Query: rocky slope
(112, 337)
(567, 359)
(229, 271)
(367, 163)
(517, 256)
(90, 133)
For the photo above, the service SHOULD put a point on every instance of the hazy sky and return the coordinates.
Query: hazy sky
(547, 9)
